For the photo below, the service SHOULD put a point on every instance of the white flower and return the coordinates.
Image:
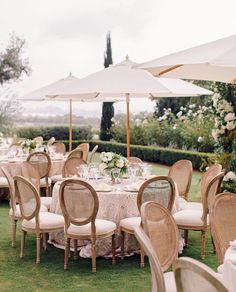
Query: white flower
(102, 167)
(230, 117)
(109, 156)
(214, 135)
(175, 126)
(230, 126)
(200, 139)
(120, 163)
(138, 122)
(179, 114)
(145, 122)
(230, 176)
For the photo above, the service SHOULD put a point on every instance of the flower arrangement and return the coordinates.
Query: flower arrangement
(110, 160)
(229, 182)
(225, 122)
(29, 145)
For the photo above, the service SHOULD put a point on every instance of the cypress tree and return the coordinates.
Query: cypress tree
(107, 107)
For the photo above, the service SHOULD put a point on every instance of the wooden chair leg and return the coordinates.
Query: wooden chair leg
(94, 268)
(22, 248)
(113, 249)
(203, 240)
(142, 254)
(75, 249)
(13, 235)
(122, 244)
(67, 250)
(186, 238)
(37, 248)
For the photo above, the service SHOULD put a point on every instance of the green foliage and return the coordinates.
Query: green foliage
(107, 107)
(60, 133)
(161, 155)
(12, 64)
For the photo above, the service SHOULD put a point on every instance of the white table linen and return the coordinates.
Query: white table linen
(114, 205)
(229, 269)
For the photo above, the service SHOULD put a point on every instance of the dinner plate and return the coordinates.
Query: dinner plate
(126, 189)
(101, 191)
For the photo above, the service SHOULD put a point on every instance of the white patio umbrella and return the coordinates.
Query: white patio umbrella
(41, 94)
(214, 61)
(122, 81)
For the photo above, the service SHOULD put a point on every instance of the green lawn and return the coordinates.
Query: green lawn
(24, 275)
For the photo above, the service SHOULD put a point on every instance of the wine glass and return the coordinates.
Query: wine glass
(146, 170)
(115, 173)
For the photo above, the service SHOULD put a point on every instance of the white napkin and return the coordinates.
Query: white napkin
(102, 187)
(133, 187)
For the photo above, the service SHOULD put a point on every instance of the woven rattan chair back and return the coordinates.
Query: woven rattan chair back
(41, 161)
(59, 148)
(194, 276)
(160, 227)
(212, 187)
(29, 198)
(223, 222)
(84, 147)
(29, 172)
(133, 159)
(181, 172)
(158, 282)
(79, 203)
(70, 166)
(76, 153)
(211, 172)
(9, 173)
(92, 154)
(160, 189)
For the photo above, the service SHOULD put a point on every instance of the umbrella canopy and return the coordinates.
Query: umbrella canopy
(122, 80)
(214, 61)
(41, 94)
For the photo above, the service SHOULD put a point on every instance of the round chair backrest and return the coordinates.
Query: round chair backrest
(181, 172)
(192, 275)
(84, 147)
(210, 173)
(70, 166)
(76, 153)
(29, 172)
(91, 155)
(41, 161)
(60, 147)
(159, 189)
(79, 203)
(222, 221)
(29, 198)
(133, 159)
(160, 227)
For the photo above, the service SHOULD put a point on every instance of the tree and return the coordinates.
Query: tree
(107, 107)
(12, 63)
(12, 66)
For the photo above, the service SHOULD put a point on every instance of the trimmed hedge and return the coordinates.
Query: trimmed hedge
(161, 155)
(59, 132)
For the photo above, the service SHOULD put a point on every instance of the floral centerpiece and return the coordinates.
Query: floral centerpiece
(29, 145)
(110, 160)
(229, 182)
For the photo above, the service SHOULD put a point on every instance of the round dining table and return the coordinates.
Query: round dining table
(116, 201)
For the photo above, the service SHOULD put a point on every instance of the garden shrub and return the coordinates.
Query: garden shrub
(59, 132)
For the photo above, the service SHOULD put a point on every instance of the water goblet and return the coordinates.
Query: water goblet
(115, 173)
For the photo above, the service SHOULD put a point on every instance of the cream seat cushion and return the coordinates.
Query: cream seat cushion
(3, 182)
(46, 201)
(189, 217)
(193, 206)
(170, 282)
(47, 220)
(18, 212)
(130, 223)
(102, 227)
(43, 182)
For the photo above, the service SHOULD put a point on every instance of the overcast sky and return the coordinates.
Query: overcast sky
(70, 35)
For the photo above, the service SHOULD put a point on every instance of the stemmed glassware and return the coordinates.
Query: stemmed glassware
(83, 171)
(115, 173)
(146, 170)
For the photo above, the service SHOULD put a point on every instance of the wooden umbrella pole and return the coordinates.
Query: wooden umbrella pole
(70, 130)
(127, 125)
